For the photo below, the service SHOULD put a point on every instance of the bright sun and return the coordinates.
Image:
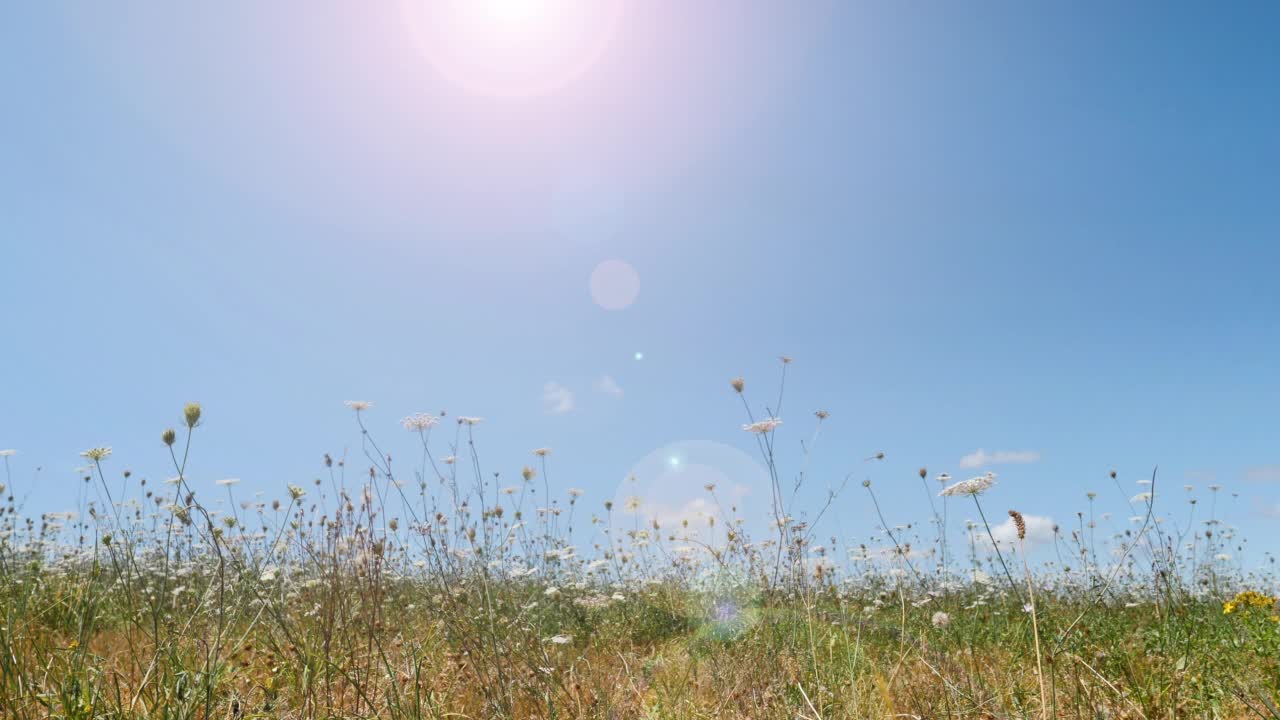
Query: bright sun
(512, 11)
(513, 48)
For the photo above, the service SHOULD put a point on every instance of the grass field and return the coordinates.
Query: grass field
(443, 594)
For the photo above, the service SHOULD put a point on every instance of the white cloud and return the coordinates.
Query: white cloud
(1039, 532)
(607, 385)
(981, 458)
(556, 398)
(1262, 474)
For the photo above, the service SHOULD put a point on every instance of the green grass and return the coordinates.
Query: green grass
(441, 597)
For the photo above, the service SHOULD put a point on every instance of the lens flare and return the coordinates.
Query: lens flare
(512, 48)
(614, 285)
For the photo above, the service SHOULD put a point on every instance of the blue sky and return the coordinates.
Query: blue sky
(1043, 227)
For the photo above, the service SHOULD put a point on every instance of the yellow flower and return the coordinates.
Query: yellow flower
(1248, 599)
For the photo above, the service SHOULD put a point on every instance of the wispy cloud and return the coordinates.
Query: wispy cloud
(556, 398)
(1262, 474)
(607, 385)
(982, 458)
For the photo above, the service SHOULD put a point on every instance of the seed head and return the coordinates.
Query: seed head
(1019, 523)
(738, 384)
(191, 413)
(168, 436)
(924, 472)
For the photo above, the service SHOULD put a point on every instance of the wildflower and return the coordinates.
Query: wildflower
(542, 451)
(528, 473)
(227, 482)
(972, 486)
(191, 413)
(941, 619)
(469, 421)
(450, 460)
(576, 492)
(269, 574)
(1019, 523)
(561, 639)
(1248, 599)
(551, 591)
(419, 422)
(358, 405)
(8, 453)
(97, 454)
(168, 437)
(786, 359)
(737, 384)
(944, 478)
(821, 415)
(633, 503)
(763, 426)
(1140, 498)
(296, 492)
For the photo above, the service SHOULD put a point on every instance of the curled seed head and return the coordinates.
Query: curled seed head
(1019, 523)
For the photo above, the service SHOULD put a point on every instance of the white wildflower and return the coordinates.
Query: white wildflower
(972, 486)
(418, 422)
(97, 454)
(763, 426)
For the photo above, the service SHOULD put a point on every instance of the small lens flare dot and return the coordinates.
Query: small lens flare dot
(639, 355)
(673, 461)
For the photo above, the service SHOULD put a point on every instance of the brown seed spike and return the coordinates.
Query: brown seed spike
(1019, 523)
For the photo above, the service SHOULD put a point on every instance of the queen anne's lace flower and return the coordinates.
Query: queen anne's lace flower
(418, 422)
(763, 426)
(97, 454)
(972, 486)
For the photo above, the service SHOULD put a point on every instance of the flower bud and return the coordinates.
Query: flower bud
(192, 414)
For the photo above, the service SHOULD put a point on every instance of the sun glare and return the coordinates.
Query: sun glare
(512, 48)
(512, 11)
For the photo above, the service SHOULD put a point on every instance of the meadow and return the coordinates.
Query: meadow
(443, 591)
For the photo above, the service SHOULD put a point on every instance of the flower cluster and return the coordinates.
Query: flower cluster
(972, 486)
(1250, 599)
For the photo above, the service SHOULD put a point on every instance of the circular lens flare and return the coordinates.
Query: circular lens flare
(614, 285)
(512, 48)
